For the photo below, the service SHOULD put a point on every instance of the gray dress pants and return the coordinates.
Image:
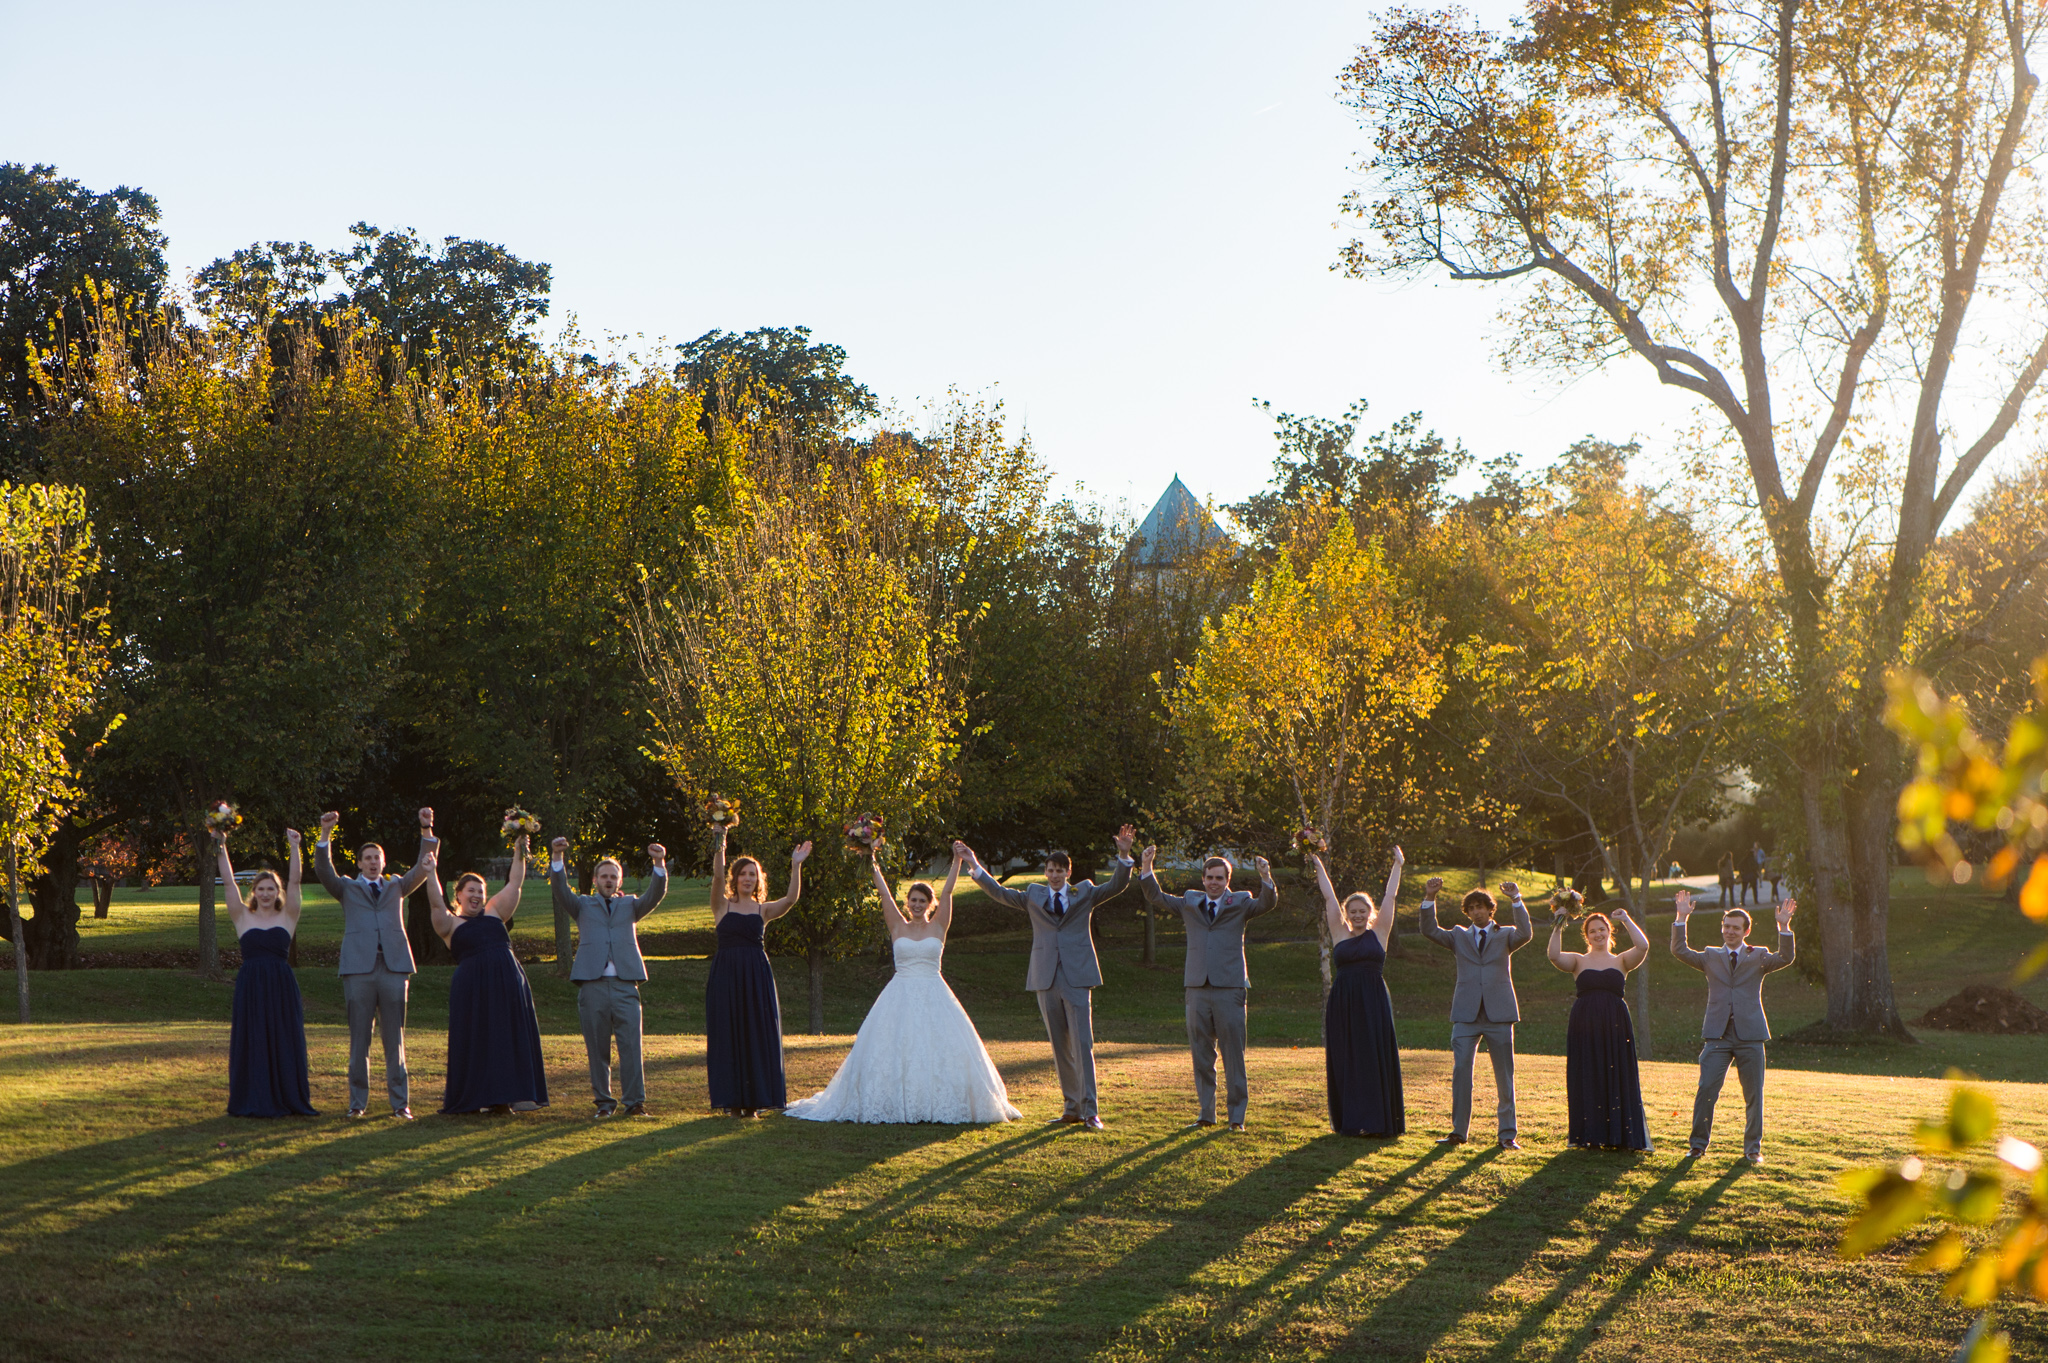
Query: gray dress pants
(1216, 1022)
(1748, 1058)
(1069, 1013)
(1500, 1048)
(376, 997)
(609, 1008)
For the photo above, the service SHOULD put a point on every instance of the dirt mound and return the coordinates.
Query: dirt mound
(1983, 1008)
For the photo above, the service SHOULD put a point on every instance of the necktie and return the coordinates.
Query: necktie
(1732, 958)
(1482, 941)
(1212, 911)
(376, 890)
(1059, 904)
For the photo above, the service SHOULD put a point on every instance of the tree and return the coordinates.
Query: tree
(52, 653)
(1296, 693)
(57, 238)
(262, 532)
(772, 374)
(1803, 217)
(1614, 669)
(808, 671)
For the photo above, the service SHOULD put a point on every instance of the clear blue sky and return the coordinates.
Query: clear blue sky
(1119, 218)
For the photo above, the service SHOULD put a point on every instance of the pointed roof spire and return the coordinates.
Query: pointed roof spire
(1176, 525)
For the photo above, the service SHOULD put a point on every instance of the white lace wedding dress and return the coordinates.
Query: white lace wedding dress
(917, 1058)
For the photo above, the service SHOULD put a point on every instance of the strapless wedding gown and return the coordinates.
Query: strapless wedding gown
(917, 1058)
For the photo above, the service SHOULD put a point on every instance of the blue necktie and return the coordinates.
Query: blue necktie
(1482, 941)
(1212, 911)
(1059, 904)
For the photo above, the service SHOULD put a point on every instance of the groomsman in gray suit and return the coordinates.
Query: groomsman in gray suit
(608, 970)
(1215, 981)
(1063, 966)
(1483, 1003)
(1735, 1029)
(376, 959)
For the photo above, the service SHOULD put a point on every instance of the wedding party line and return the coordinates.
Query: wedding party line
(917, 1056)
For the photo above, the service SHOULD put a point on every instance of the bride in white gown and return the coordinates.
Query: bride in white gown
(918, 1057)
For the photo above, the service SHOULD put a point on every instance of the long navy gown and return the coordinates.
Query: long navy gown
(493, 1034)
(743, 1019)
(267, 1040)
(1603, 1091)
(1361, 1058)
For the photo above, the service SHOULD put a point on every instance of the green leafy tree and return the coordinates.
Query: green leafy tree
(53, 651)
(263, 535)
(808, 671)
(1805, 219)
(1294, 695)
(772, 374)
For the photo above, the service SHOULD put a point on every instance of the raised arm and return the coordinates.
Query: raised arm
(1426, 918)
(566, 899)
(1639, 941)
(293, 901)
(445, 922)
(1681, 948)
(1521, 934)
(323, 856)
(990, 886)
(1268, 897)
(1782, 957)
(1120, 878)
(1567, 961)
(1333, 909)
(943, 915)
(505, 902)
(657, 882)
(427, 862)
(1384, 924)
(775, 908)
(236, 908)
(718, 875)
(892, 916)
(1148, 884)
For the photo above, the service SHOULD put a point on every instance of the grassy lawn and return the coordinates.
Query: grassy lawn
(136, 1222)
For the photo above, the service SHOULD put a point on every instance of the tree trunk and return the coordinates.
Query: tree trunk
(1871, 804)
(209, 932)
(103, 897)
(1825, 865)
(53, 932)
(14, 927)
(1151, 929)
(1642, 1019)
(817, 963)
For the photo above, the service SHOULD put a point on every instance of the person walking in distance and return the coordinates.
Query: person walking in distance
(376, 959)
(608, 970)
(1215, 981)
(1483, 1003)
(1063, 972)
(1735, 1029)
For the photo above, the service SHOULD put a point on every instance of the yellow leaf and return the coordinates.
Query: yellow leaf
(1943, 1256)
(1976, 1282)
(2034, 894)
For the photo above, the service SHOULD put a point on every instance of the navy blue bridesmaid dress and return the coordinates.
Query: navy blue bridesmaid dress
(267, 1040)
(494, 1057)
(743, 1019)
(1361, 1059)
(1603, 1091)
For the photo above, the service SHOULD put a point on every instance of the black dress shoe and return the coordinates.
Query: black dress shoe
(636, 1110)
(1452, 1140)
(359, 1112)
(1510, 1143)
(403, 1114)
(1237, 1126)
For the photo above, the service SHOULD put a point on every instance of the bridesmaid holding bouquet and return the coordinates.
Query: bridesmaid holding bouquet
(494, 1056)
(742, 1013)
(267, 1070)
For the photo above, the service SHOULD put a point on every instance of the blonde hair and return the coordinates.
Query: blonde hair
(274, 878)
(732, 880)
(1359, 897)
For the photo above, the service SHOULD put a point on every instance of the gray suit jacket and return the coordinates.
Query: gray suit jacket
(1065, 944)
(1734, 992)
(371, 918)
(1215, 950)
(1484, 976)
(605, 927)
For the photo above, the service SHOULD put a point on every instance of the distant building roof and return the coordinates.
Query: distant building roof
(1176, 526)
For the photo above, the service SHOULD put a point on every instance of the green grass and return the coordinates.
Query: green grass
(138, 1223)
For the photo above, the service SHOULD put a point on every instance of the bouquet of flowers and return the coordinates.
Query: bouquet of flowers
(1312, 840)
(720, 812)
(223, 818)
(864, 835)
(518, 821)
(1565, 905)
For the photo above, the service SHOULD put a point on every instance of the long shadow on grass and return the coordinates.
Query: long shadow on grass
(1637, 1278)
(1493, 1248)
